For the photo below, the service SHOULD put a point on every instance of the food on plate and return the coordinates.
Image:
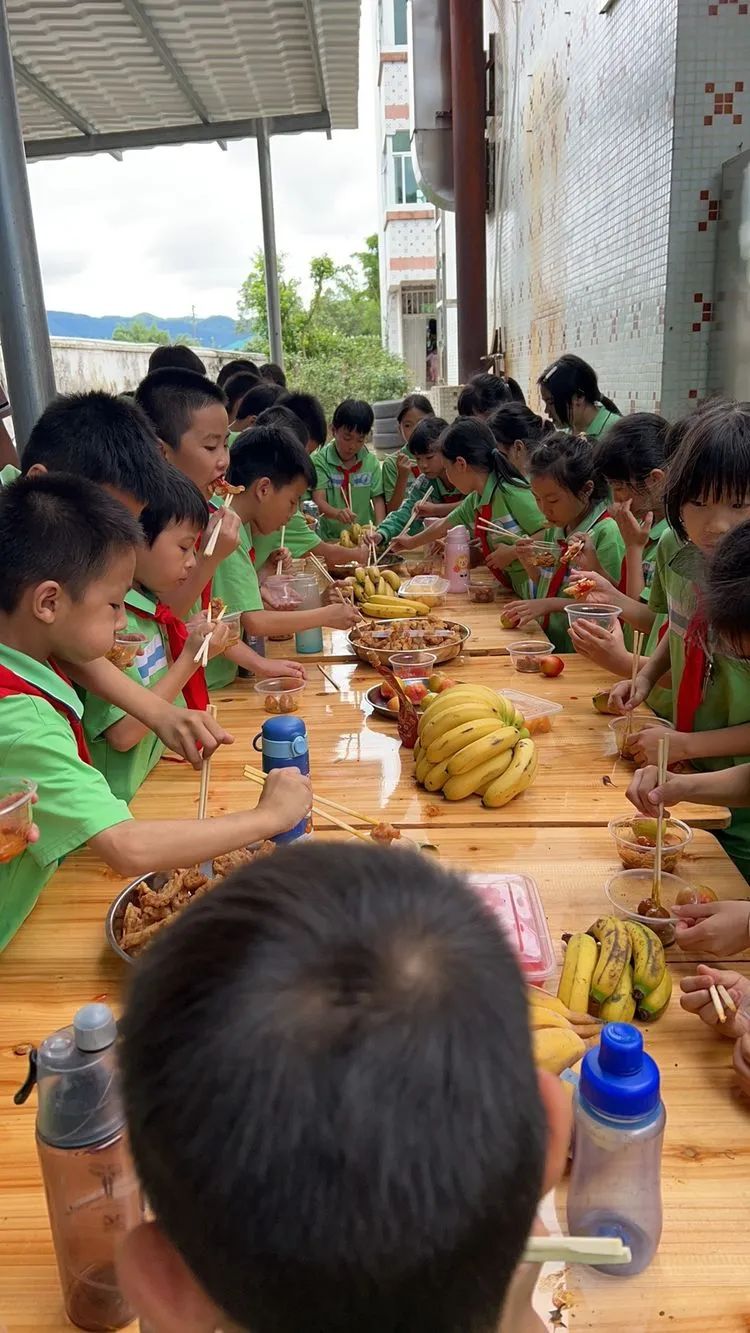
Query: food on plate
(580, 589)
(551, 665)
(224, 488)
(439, 681)
(406, 635)
(542, 559)
(287, 702)
(393, 705)
(385, 833)
(617, 971)
(151, 909)
(126, 649)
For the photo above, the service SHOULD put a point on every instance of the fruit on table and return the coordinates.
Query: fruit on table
(556, 1049)
(699, 893)
(641, 833)
(427, 701)
(415, 690)
(649, 907)
(578, 971)
(387, 690)
(393, 609)
(473, 742)
(454, 743)
(439, 681)
(373, 582)
(620, 1007)
(653, 1005)
(614, 955)
(393, 705)
(648, 963)
(517, 777)
(643, 983)
(551, 666)
(601, 703)
(508, 621)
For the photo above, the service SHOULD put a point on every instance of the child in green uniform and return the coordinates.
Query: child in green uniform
(122, 748)
(707, 496)
(572, 496)
(349, 481)
(494, 490)
(570, 392)
(67, 552)
(425, 447)
(401, 468)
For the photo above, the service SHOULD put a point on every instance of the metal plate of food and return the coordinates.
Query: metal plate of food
(445, 638)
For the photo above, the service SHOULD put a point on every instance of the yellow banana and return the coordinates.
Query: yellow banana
(369, 586)
(378, 611)
(392, 579)
(653, 1005)
(614, 956)
(544, 1000)
(578, 970)
(555, 1049)
(620, 1007)
(648, 958)
(517, 777)
(381, 587)
(485, 747)
(455, 739)
(539, 1017)
(422, 769)
(360, 574)
(466, 784)
(436, 776)
(448, 697)
(344, 538)
(449, 721)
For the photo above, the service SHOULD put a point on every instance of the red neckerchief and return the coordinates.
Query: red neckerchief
(563, 571)
(622, 586)
(346, 473)
(693, 683)
(482, 536)
(11, 684)
(195, 691)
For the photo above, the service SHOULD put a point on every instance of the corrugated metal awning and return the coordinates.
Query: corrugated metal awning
(94, 75)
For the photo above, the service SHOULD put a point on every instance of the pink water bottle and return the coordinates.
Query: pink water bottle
(457, 559)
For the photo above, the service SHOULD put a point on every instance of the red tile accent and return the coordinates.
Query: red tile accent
(702, 226)
(739, 87)
(712, 10)
(743, 9)
(698, 297)
(736, 120)
(710, 87)
(696, 328)
(692, 393)
(708, 120)
(704, 194)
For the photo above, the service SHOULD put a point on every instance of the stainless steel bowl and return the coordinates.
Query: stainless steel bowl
(442, 655)
(116, 912)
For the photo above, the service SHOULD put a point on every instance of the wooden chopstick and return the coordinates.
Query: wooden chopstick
(205, 775)
(256, 776)
(663, 750)
(330, 679)
(215, 534)
(280, 561)
(576, 1250)
(320, 566)
(726, 997)
(718, 1006)
(637, 645)
(410, 520)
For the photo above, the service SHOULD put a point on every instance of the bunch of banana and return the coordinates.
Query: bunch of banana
(354, 534)
(559, 1035)
(473, 741)
(618, 969)
(368, 583)
(378, 607)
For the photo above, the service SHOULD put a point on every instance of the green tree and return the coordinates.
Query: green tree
(138, 332)
(346, 367)
(252, 309)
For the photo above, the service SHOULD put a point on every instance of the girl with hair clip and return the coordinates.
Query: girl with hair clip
(517, 431)
(494, 489)
(571, 395)
(401, 468)
(572, 495)
(707, 496)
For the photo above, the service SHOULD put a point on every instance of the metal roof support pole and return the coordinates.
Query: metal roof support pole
(23, 319)
(470, 178)
(273, 302)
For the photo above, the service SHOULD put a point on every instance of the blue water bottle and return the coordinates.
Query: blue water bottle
(283, 744)
(615, 1183)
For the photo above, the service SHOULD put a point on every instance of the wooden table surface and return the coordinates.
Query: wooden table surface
(60, 960)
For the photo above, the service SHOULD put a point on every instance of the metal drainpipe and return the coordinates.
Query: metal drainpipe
(273, 303)
(470, 178)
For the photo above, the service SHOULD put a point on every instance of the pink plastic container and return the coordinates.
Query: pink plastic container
(515, 901)
(457, 559)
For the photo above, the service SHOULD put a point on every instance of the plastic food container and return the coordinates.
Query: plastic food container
(15, 816)
(232, 622)
(627, 889)
(126, 649)
(639, 721)
(285, 598)
(605, 616)
(528, 653)
(545, 555)
(515, 901)
(637, 855)
(538, 713)
(427, 588)
(408, 666)
(482, 588)
(282, 694)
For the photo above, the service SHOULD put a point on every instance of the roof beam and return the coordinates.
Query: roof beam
(45, 93)
(159, 47)
(165, 135)
(315, 46)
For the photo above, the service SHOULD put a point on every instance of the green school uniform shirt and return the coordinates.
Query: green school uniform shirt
(365, 485)
(75, 802)
(514, 508)
(395, 522)
(390, 471)
(679, 572)
(236, 583)
(8, 474)
(127, 771)
(660, 698)
(602, 422)
(610, 549)
(299, 538)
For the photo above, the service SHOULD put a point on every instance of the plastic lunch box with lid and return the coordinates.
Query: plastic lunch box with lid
(516, 902)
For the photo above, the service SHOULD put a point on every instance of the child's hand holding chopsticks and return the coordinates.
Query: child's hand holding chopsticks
(696, 999)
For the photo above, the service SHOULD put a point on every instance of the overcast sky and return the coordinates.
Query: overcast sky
(169, 228)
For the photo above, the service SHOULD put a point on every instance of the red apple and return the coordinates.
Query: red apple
(387, 690)
(551, 666)
(416, 691)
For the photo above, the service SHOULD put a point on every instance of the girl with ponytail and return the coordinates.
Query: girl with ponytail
(570, 392)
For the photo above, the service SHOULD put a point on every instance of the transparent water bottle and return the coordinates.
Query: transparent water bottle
(93, 1195)
(307, 592)
(615, 1184)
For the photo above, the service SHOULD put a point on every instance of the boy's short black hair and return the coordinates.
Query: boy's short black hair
(59, 527)
(99, 437)
(269, 451)
(281, 415)
(354, 414)
(170, 397)
(257, 399)
(231, 368)
(180, 501)
(331, 1095)
(237, 386)
(426, 434)
(310, 410)
(273, 372)
(711, 463)
(184, 358)
(728, 592)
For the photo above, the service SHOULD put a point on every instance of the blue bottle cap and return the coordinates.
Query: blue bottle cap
(284, 736)
(618, 1078)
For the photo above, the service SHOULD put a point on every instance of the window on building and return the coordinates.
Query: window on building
(399, 23)
(403, 182)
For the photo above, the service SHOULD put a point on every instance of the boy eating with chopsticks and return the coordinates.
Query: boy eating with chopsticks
(67, 552)
(349, 479)
(122, 748)
(360, 1062)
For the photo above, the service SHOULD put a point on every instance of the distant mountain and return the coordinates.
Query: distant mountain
(216, 331)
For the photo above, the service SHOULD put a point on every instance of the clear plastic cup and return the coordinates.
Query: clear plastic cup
(15, 816)
(605, 616)
(545, 555)
(629, 888)
(126, 649)
(281, 694)
(636, 855)
(407, 666)
(622, 733)
(528, 653)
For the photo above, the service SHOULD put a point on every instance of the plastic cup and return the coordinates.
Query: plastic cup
(407, 666)
(619, 728)
(282, 694)
(482, 588)
(15, 816)
(605, 616)
(528, 653)
(126, 649)
(232, 622)
(627, 889)
(545, 555)
(636, 856)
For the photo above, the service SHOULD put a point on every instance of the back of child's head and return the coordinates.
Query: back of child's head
(273, 372)
(171, 397)
(470, 438)
(516, 392)
(281, 415)
(515, 421)
(310, 410)
(489, 392)
(712, 462)
(633, 448)
(99, 437)
(569, 377)
(269, 451)
(467, 401)
(237, 386)
(426, 434)
(415, 402)
(257, 399)
(184, 358)
(233, 367)
(180, 501)
(331, 1096)
(727, 596)
(354, 414)
(57, 527)
(569, 461)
